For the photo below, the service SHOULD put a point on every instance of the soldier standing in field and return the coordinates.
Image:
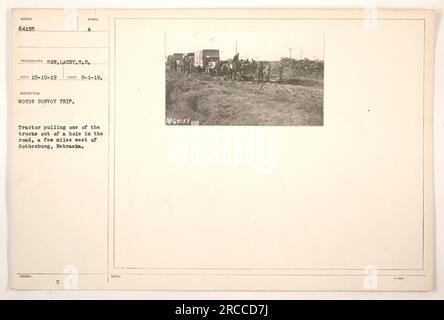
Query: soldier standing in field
(184, 64)
(261, 71)
(281, 71)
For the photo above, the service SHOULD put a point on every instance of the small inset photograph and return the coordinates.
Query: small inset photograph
(244, 78)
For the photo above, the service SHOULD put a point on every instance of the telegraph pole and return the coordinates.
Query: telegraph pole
(236, 48)
(290, 51)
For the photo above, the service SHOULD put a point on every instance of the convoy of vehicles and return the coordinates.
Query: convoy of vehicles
(205, 60)
(208, 61)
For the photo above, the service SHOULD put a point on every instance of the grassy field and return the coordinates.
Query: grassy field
(215, 101)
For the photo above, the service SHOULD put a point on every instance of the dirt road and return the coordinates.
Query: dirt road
(215, 101)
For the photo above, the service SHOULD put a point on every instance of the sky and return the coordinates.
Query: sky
(250, 45)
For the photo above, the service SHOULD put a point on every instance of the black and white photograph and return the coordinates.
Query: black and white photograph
(244, 78)
(188, 152)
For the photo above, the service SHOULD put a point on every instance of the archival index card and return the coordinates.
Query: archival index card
(234, 149)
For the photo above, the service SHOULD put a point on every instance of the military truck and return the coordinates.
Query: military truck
(206, 60)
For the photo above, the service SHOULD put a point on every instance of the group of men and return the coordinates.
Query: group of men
(185, 64)
(240, 66)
